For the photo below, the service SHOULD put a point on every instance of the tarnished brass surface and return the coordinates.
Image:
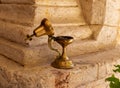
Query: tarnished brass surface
(63, 61)
(50, 39)
(45, 28)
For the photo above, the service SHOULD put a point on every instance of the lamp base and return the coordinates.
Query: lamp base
(62, 64)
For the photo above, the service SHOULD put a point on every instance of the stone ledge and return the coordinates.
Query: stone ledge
(17, 33)
(34, 55)
(13, 75)
(95, 84)
(42, 2)
(31, 15)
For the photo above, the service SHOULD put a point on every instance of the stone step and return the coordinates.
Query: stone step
(17, 33)
(30, 55)
(43, 2)
(30, 15)
(41, 53)
(100, 64)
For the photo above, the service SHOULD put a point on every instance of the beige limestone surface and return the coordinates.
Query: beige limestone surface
(93, 10)
(101, 11)
(16, 15)
(105, 38)
(41, 53)
(30, 15)
(43, 2)
(18, 33)
(18, 20)
(85, 74)
(112, 16)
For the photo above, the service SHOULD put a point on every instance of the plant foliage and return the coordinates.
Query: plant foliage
(114, 81)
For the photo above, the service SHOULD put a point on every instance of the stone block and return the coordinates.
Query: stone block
(30, 15)
(25, 55)
(107, 35)
(102, 71)
(97, 84)
(118, 37)
(113, 4)
(110, 67)
(98, 11)
(43, 2)
(86, 8)
(88, 46)
(105, 62)
(101, 11)
(22, 14)
(104, 33)
(81, 76)
(17, 33)
(93, 10)
(78, 32)
(95, 30)
(16, 76)
(16, 1)
(110, 18)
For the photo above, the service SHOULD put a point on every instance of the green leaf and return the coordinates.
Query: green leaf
(112, 78)
(114, 82)
(117, 68)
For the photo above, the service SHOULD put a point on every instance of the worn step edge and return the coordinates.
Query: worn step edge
(21, 54)
(30, 55)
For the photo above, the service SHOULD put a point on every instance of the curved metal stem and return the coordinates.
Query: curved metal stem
(64, 56)
(50, 38)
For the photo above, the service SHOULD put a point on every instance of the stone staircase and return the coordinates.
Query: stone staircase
(17, 19)
(24, 18)
(26, 64)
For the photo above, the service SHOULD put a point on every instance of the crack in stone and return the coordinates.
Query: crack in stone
(62, 80)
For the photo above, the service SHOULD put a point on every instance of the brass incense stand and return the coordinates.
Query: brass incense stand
(45, 28)
(63, 61)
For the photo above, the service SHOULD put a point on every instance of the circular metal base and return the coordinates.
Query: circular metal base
(62, 64)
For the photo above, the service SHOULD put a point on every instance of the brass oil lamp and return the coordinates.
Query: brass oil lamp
(45, 28)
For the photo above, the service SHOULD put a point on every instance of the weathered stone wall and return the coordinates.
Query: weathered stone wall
(93, 23)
